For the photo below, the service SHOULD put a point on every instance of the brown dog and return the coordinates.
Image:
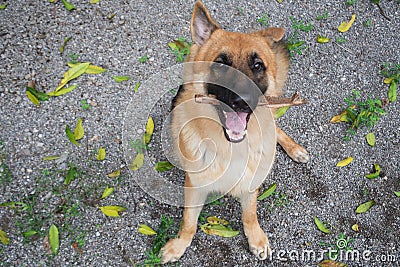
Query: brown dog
(228, 148)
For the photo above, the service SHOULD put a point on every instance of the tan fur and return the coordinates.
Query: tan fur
(213, 163)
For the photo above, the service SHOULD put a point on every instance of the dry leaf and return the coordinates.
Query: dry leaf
(331, 263)
(345, 26)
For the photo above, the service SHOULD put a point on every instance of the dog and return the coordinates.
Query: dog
(228, 148)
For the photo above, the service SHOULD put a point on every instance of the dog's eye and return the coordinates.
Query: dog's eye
(258, 66)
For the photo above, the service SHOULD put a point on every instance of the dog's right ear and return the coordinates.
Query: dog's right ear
(202, 24)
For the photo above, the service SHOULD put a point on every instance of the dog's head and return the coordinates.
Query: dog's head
(261, 56)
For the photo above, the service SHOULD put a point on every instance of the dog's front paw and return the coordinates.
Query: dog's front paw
(173, 250)
(259, 245)
(299, 154)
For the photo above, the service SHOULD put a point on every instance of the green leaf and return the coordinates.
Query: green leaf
(120, 79)
(112, 211)
(375, 174)
(146, 230)
(371, 139)
(271, 189)
(73, 73)
(365, 206)
(92, 69)
(216, 220)
(29, 233)
(71, 175)
(70, 135)
(15, 205)
(321, 226)
(54, 239)
(94, 1)
(63, 91)
(49, 158)
(114, 174)
(79, 131)
(281, 111)
(33, 98)
(137, 162)
(66, 40)
(397, 193)
(322, 39)
(39, 95)
(3, 6)
(101, 155)
(392, 94)
(68, 5)
(107, 192)
(4, 238)
(163, 166)
(344, 162)
(137, 85)
(218, 229)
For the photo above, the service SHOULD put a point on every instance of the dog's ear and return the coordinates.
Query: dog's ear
(272, 34)
(202, 24)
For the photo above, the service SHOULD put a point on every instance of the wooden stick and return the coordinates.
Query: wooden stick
(271, 102)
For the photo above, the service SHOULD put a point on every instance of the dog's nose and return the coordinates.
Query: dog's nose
(243, 102)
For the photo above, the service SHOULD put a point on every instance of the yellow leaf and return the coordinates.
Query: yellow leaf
(344, 162)
(354, 227)
(79, 131)
(218, 229)
(94, 1)
(73, 73)
(345, 26)
(62, 91)
(150, 126)
(112, 211)
(388, 80)
(107, 192)
(146, 230)
(4, 238)
(216, 220)
(92, 69)
(51, 158)
(33, 98)
(322, 39)
(101, 155)
(114, 174)
(137, 162)
(365, 206)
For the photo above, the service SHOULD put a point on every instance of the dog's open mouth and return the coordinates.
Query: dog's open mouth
(235, 127)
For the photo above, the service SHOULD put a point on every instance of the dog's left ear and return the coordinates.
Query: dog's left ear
(202, 24)
(272, 34)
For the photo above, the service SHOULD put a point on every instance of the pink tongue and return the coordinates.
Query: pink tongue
(236, 121)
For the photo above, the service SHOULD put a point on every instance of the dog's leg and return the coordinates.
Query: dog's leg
(258, 241)
(194, 201)
(294, 150)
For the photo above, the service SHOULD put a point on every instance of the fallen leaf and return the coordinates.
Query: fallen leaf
(3, 6)
(70, 135)
(68, 5)
(114, 174)
(112, 211)
(365, 206)
(149, 130)
(33, 98)
(218, 229)
(54, 239)
(94, 1)
(107, 192)
(101, 155)
(271, 189)
(92, 69)
(79, 131)
(354, 227)
(29, 233)
(73, 73)
(375, 174)
(397, 193)
(120, 79)
(331, 263)
(66, 40)
(345, 26)
(4, 238)
(137, 162)
(321, 226)
(76, 247)
(15, 205)
(322, 39)
(371, 139)
(388, 80)
(146, 230)
(216, 220)
(46, 245)
(137, 85)
(344, 162)
(280, 112)
(392, 94)
(39, 95)
(71, 175)
(163, 166)
(62, 91)
(49, 158)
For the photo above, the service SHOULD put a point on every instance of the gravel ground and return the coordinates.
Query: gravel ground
(31, 33)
